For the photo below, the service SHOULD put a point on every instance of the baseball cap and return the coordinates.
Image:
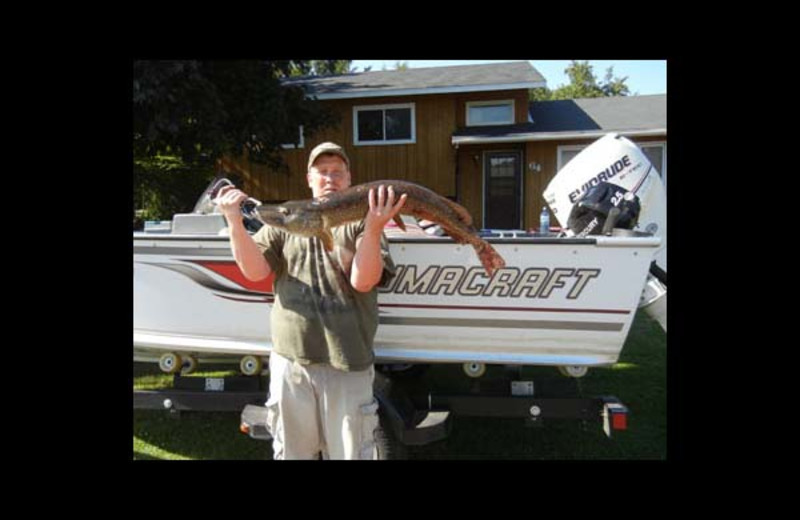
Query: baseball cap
(327, 147)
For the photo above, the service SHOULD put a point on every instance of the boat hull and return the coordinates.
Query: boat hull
(558, 301)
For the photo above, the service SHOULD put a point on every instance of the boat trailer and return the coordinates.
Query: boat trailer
(413, 414)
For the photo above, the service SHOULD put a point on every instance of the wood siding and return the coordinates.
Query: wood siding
(430, 161)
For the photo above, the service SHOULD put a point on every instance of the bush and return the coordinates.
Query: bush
(164, 185)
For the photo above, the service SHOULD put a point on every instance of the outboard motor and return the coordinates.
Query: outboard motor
(611, 188)
(602, 208)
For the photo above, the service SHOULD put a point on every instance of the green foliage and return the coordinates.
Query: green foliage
(320, 67)
(189, 113)
(329, 67)
(614, 86)
(583, 84)
(540, 94)
(201, 110)
(398, 65)
(639, 380)
(165, 185)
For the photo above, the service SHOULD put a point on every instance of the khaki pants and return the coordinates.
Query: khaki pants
(316, 409)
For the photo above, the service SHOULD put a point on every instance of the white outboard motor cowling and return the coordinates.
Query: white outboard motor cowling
(616, 160)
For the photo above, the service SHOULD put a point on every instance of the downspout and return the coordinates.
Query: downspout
(456, 194)
(455, 107)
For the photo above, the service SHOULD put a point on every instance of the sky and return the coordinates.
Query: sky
(644, 76)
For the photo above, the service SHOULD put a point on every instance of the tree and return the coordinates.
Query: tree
(614, 86)
(321, 67)
(540, 94)
(398, 65)
(188, 114)
(583, 84)
(199, 111)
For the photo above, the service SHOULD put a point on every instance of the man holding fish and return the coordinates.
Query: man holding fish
(324, 317)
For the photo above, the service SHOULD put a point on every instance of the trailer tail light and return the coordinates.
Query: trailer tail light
(615, 417)
(619, 421)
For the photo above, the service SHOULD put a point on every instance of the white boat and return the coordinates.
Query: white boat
(565, 301)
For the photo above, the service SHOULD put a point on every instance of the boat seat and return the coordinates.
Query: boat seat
(197, 224)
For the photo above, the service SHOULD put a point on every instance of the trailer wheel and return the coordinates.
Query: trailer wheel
(188, 365)
(250, 365)
(387, 444)
(474, 369)
(169, 362)
(573, 370)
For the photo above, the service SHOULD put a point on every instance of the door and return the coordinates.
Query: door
(502, 190)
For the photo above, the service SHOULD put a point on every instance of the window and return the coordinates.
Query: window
(657, 155)
(490, 112)
(300, 142)
(566, 154)
(655, 151)
(384, 124)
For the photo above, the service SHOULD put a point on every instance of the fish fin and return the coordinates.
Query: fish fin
(327, 239)
(399, 221)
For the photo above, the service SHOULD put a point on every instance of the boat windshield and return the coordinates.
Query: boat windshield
(205, 204)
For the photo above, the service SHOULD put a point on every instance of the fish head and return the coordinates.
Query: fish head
(295, 217)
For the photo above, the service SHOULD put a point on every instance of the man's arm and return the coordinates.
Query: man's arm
(245, 251)
(368, 262)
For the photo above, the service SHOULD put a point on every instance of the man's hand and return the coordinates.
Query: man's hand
(229, 200)
(248, 257)
(382, 208)
(367, 263)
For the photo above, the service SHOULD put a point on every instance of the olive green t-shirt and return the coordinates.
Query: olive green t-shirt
(317, 316)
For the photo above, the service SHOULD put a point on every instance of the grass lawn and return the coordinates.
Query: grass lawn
(639, 380)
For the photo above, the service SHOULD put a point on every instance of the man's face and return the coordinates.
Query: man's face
(328, 174)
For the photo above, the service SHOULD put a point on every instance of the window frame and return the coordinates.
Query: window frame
(662, 168)
(470, 104)
(384, 141)
(301, 144)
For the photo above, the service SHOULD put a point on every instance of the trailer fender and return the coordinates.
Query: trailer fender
(408, 424)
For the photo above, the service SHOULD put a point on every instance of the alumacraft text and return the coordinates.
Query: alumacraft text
(533, 282)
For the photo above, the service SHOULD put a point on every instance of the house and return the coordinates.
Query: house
(467, 132)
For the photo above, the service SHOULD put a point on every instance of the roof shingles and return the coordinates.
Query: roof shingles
(420, 79)
(622, 114)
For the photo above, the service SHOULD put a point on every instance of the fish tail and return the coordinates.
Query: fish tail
(489, 257)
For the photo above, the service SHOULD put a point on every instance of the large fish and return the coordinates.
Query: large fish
(315, 217)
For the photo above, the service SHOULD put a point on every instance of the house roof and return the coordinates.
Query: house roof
(431, 80)
(578, 119)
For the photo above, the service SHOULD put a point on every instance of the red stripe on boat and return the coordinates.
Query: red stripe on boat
(232, 272)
